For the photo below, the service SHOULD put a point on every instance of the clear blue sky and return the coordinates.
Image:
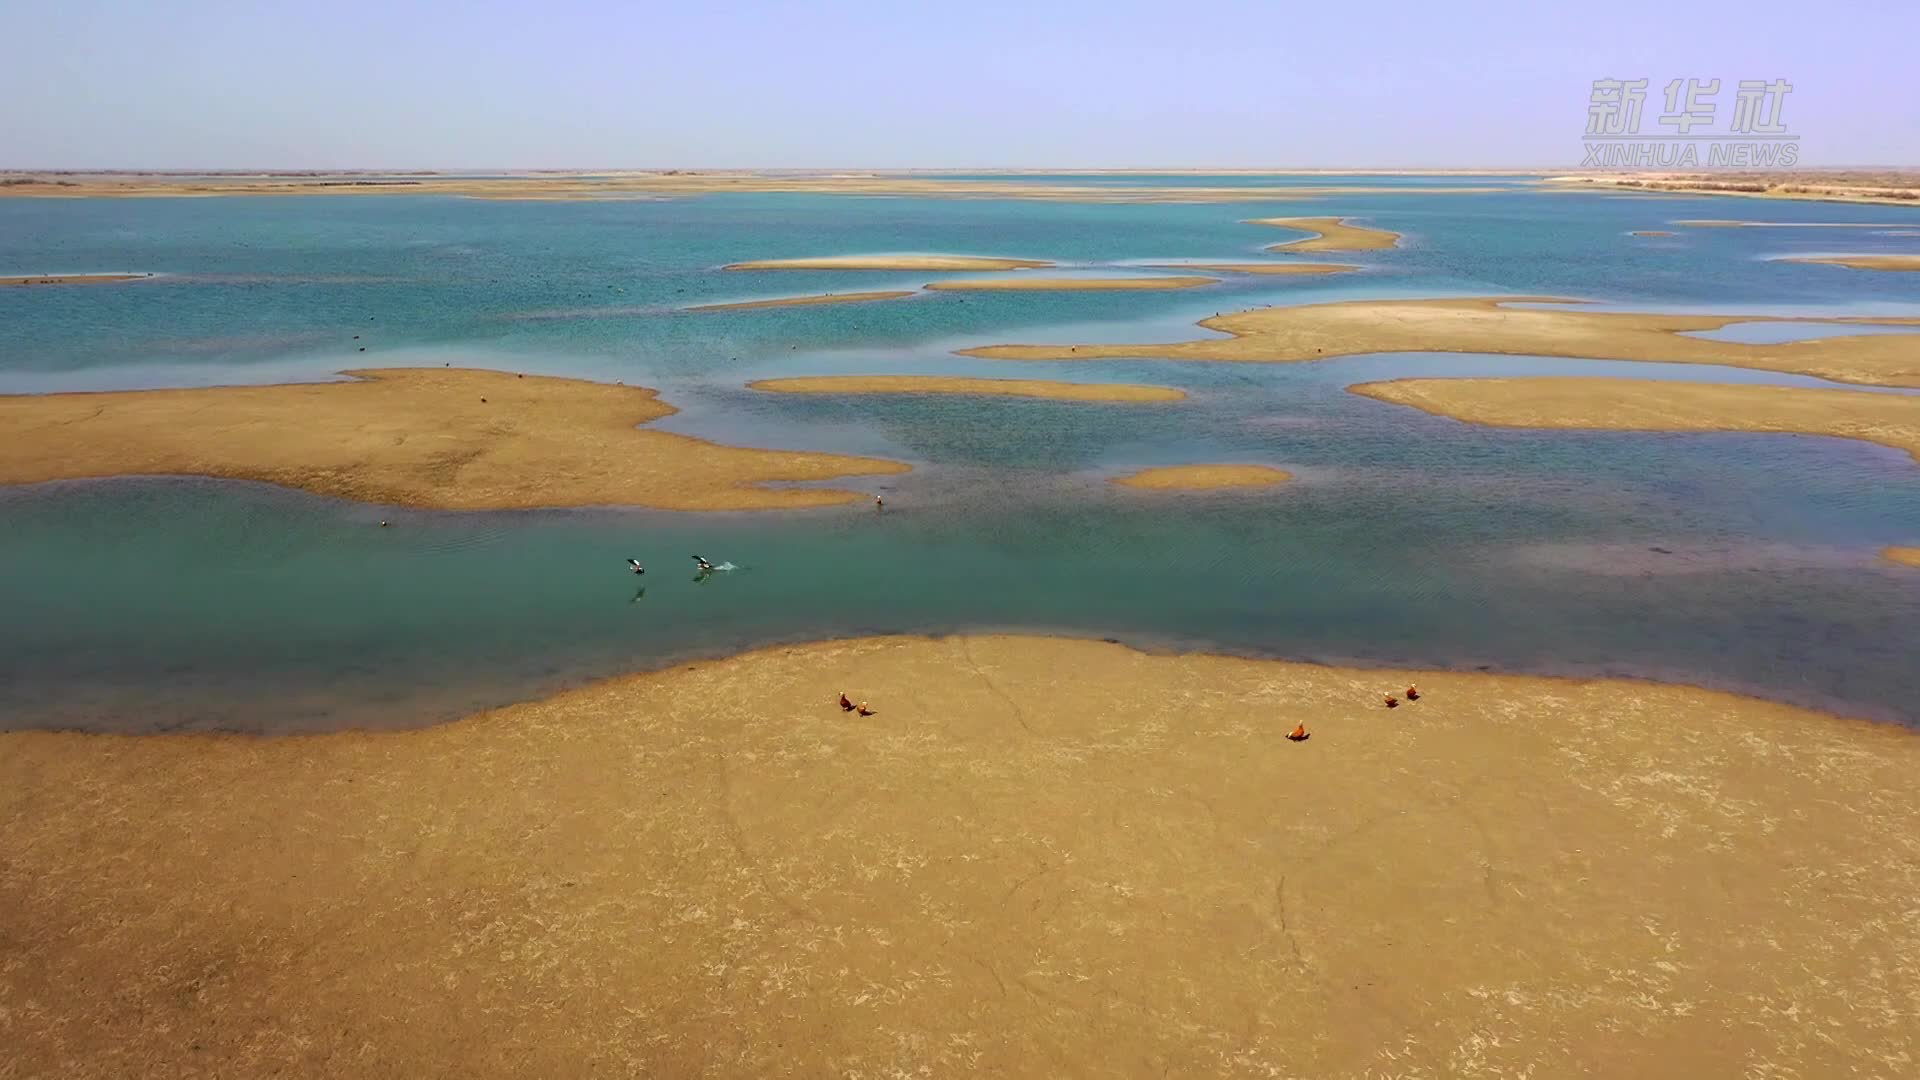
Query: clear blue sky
(601, 83)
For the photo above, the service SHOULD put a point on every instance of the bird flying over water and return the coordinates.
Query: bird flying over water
(634, 565)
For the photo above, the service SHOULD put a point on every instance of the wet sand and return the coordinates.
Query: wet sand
(1865, 262)
(1069, 284)
(1204, 477)
(1267, 267)
(643, 185)
(940, 384)
(1891, 420)
(1492, 325)
(1906, 556)
(447, 438)
(891, 262)
(1333, 234)
(1040, 858)
(803, 301)
(71, 279)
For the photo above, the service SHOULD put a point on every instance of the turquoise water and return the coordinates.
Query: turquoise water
(1747, 562)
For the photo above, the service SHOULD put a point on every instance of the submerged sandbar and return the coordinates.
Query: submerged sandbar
(803, 301)
(1204, 477)
(1071, 284)
(1040, 856)
(1494, 325)
(942, 384)
(891, 262)
(1862, 262)
(449, 438)
(1891, 420)
(1330, 234)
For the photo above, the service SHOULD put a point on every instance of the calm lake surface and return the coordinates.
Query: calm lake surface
(1738, 561)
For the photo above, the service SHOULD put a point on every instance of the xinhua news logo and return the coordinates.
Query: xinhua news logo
(1755, 136)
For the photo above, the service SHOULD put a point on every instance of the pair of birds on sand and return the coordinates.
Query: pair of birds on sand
(848, 706)
(634, 564)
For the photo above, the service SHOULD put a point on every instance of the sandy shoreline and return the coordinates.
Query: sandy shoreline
(1906, 556)
(941, 384)
(1863, 262)
(1492, 325)
(1204, 477)
(1282, 268)
(1889, 187)
(1069, 284)
(803, 301)
(1891, 420)
(891, 262)
(1040, 857)
(457, 439)
(1332, 234)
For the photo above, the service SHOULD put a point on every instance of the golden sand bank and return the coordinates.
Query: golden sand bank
(1907, 556)
(449, 438)
(1071, 284)
(1283, 268)
(891, 262)
(1493, 325)
(1892, 187)
(1865, 262)
(1331, 234)
(803, 301)
(1645, 405)
(1204, 477)
(941, 384)
(675, 183)
(1041, 857)
(71, 279)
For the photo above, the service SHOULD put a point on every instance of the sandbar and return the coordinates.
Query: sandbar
(448, 438)
(1891, 420)
(592, 187)
(941, 384)
(1204, 477)
(1493, 325)
(1864, 262)
(1071, 284)
(1332, 234)
(1282, 268)
(1893, 187)
(1649, 232)
(803, 301)
(71, 279)
(1041, 857)
(1726, 223)
(891, 262)
(1906, 556)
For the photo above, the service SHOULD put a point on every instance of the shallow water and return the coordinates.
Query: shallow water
(1742, 561)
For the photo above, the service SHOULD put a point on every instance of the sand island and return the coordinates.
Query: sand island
(1494, 325)
(891, 262)
(1071, 284)
(1331, 234)
(942, 384)
(803, 301)
(1204, 477)
(1906, 556)
(1276, 268)
(712, 870)
(71, 279)
(1864, 262)
(1891, 420)
(448, 438)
